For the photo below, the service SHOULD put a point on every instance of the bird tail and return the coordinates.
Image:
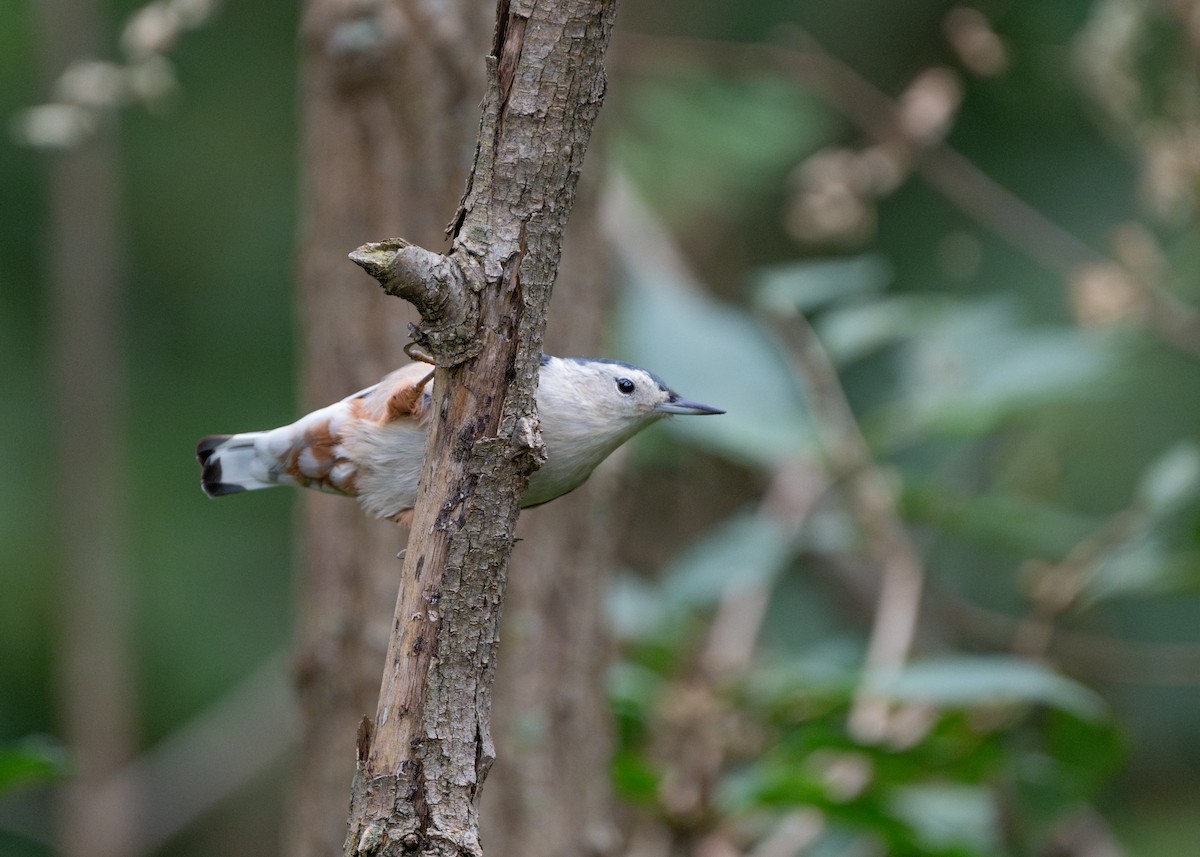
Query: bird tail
(231, 464)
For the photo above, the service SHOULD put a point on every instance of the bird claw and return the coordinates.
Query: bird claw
(418, 352)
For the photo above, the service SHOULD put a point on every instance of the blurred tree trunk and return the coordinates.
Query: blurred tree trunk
(390, 93)
(84, 272)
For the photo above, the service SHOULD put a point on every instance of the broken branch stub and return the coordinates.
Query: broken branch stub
(444, 295)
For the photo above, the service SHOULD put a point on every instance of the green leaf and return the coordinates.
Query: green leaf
(634, 684)
(809, 286)
(634, 778)
(841, 840)
(1171, 480)
(979, 365)
(633, 605)
(948, 815)
(1072, 762)
(30, 761)
(741, 134)
(798, 686)
(744, 551)
(1083, 755)
(852, 332)
(1159, 555)
(996, 521)
(716, 354)
(1145, 565)
(964, 682)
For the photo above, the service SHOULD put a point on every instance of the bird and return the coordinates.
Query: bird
(371, 444)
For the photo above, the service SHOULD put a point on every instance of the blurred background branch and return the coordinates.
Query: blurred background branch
(88, 91)
(206, 760)
(907, 135)
(873, 502)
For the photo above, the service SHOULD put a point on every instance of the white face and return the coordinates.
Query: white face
(631, 390)
(616, 392)
(590, 407)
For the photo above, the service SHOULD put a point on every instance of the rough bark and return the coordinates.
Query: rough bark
(390, 100)
(550, 793)
(483, 314)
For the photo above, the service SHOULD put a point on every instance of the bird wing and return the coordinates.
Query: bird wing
(400, 395)
(312, 451)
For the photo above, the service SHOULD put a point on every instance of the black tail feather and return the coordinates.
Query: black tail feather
(204, 449)
(210, 474)
(218, 488)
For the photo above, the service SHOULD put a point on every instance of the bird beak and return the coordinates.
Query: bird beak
(682, 406)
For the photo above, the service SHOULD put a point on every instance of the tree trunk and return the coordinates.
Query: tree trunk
(483, 308)
(390, 94)
(96, 682)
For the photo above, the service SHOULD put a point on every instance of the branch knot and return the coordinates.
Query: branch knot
(436, 285)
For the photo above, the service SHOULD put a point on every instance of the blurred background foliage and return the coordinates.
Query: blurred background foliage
(940, 264)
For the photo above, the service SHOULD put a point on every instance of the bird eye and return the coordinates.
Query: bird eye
(625, 385)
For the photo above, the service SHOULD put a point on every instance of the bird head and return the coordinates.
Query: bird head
(607, 397)
(589, 407)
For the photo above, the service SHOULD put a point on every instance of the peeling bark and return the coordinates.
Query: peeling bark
(421, 764)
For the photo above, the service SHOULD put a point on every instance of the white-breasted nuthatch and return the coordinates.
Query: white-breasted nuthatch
(370, 445)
